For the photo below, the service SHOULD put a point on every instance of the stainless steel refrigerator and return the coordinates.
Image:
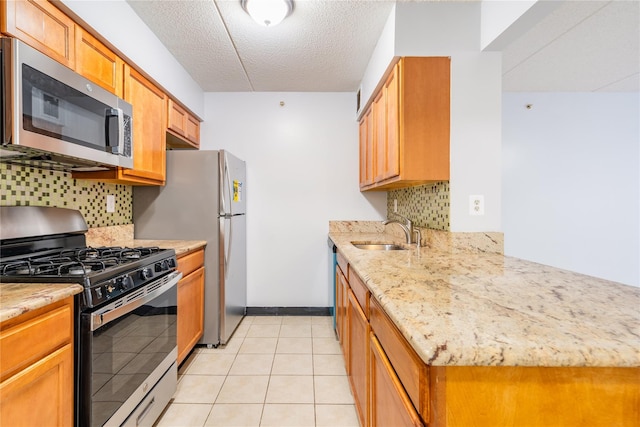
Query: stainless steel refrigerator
(204, 199)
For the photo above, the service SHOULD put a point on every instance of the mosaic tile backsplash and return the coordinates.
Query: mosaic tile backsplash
(27, 186)
(426, 205)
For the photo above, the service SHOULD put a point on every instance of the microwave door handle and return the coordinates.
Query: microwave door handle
(114, 138)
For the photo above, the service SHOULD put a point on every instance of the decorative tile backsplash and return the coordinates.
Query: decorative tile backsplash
(426, 205)
(24, 186)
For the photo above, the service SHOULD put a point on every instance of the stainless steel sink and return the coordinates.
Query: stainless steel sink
(378, 246)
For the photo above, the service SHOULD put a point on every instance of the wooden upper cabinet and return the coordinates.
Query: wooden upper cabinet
(182, 127)
(42, 26)
(149, 135)
(149, 125)
(412, 110)
(98, 63)
(367, 149)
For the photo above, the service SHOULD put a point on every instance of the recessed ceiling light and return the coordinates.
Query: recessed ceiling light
(268, 12)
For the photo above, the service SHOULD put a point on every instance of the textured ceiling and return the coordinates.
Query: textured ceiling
(325, 45)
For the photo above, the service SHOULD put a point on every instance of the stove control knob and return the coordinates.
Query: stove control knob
(161, 266)
(146, 273)
(126, 282)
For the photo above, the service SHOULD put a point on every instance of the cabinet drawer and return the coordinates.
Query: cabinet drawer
(41, 333)
(191, 262)
(411, 370)
(342, 263)
(361, 293)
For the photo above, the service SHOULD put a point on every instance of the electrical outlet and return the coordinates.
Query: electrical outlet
(395, 205)
(476, 204)
(111, 203)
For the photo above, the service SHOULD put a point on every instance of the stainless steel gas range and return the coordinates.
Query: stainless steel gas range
(125, 323)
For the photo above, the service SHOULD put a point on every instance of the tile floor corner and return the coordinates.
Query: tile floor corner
(275, 371)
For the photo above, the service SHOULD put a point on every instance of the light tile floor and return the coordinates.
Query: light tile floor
(275, 371)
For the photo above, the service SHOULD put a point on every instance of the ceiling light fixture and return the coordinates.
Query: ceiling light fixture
(267, 12)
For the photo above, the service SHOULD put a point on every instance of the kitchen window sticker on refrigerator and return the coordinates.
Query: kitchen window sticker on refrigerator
(237, 191)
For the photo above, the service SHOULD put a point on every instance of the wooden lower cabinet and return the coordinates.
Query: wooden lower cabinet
(36, 360)
(516, 396)
(390, 405)
(190, 302)
(358, 357)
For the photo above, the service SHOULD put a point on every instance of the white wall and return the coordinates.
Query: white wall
(301, 172)
(571, 182)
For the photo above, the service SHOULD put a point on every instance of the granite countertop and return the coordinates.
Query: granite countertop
(476, 309)
(180, 246)
(19, 298)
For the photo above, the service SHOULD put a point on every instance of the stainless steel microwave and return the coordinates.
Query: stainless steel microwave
(53, 117)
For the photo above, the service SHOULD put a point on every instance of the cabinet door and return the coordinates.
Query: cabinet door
(42, 26)
(341, 310)
(390, 405)
(98, 63)
(190, 312)
(363, 129)
(42, 394)
(183, 125)
(369, 149)
(358, 357)
(391, 136)
(380, 136)
(149, 127)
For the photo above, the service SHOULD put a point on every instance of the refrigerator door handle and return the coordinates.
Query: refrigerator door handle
(222, 165)
(225, 242)
(225, 180)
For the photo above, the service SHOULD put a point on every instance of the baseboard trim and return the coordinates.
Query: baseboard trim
(289, 311)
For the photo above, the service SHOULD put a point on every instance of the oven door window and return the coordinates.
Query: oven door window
(124, 352)
(51, 108)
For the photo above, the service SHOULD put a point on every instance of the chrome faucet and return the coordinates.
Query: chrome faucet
(407, 226)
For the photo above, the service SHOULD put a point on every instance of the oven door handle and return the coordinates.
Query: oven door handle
(103, 317)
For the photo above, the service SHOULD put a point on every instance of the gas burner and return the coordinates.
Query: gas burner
(131, 254)
(78, 269)
(25, 270)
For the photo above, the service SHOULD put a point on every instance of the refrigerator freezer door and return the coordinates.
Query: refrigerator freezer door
(233, 273)
(232, 184)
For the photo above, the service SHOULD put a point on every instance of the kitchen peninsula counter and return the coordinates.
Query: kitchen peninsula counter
(465, 308)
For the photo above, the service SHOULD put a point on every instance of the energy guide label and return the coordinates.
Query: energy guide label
(237, 191)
